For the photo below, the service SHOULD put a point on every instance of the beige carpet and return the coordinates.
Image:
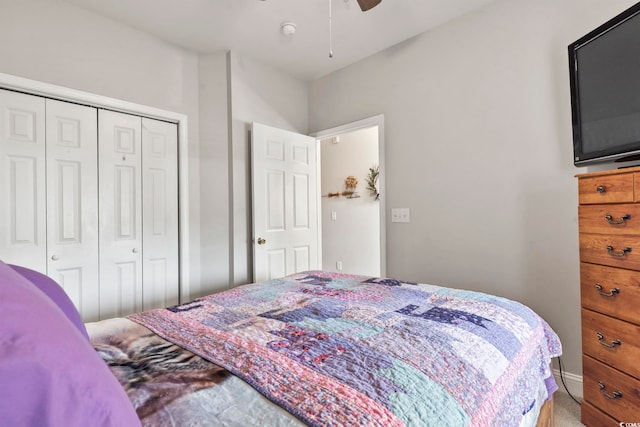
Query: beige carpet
(566, 412)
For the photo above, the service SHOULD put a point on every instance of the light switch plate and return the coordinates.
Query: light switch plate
(401, 215)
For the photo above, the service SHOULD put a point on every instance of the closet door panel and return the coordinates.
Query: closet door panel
(120, 212)
(72, 203)
(22, 180)
(160, 213)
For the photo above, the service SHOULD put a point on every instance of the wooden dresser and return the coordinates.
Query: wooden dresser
(609, 226)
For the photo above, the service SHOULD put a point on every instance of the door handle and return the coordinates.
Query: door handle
(261, 241)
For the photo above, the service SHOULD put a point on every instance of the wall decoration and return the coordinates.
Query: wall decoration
(372, 181)
(350, 184)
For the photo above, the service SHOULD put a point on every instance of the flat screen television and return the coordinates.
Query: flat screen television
(605, 91)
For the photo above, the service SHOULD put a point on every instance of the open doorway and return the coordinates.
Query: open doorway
(352, 212)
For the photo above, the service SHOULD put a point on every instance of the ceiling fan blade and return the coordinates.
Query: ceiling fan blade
(368, 4)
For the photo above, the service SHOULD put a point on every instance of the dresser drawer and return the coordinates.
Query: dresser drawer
(618, 251)
(609, 219)
(611, 291)
(612, 341)
(612, 391)
(606, 189)
(593, 417)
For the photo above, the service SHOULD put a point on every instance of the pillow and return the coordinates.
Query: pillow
(50, 374)
(57, 295)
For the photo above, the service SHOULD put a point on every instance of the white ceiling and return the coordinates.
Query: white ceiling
(252, 27)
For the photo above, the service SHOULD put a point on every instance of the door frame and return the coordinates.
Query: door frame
(365, 123)
(34, 87)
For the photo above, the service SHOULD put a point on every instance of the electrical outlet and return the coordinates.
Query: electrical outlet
(339, 265)
(334, 216)
(401, 215)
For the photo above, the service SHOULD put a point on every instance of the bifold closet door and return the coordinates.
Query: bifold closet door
(90, 198)
(72, 203)
(160, 214)
(120, 213)
(22, 180)
(138, 205)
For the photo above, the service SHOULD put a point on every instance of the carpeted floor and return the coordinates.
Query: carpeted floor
(566, 412)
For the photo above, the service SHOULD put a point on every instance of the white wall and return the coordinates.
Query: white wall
(478, 145)
(61, 44)
(264, 95)
(353, 238)
(214, 173)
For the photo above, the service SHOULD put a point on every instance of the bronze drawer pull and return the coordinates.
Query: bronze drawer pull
(611, 293)
(600, 189)
(604, 344)
(622, 219)
(615, 395)
(618, 254)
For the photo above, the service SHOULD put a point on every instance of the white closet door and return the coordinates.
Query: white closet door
(160, 213)
(120, 197)
(22, 180)
(72, 203)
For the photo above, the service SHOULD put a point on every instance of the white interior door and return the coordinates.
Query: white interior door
(22, 180)
(72, 203)
(161, 279)
(285, 202)
(120, 190)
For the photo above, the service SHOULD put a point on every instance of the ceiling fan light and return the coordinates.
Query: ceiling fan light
(368, 4)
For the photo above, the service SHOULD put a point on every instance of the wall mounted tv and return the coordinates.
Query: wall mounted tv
(605, 91)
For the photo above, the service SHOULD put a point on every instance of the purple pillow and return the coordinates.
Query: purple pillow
(50, 374)
(57, 295)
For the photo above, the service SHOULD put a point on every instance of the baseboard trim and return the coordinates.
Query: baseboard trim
(572, 381)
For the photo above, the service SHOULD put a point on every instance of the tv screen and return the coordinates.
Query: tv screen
(605, 91)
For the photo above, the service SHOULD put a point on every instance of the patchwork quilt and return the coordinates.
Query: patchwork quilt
(170, 386)
(336, 349)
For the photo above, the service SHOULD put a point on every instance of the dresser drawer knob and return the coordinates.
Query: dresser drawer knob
(611, 293)
(614, 395)
(622, 253)
(600, 189)
(604, 344)
(622, 219)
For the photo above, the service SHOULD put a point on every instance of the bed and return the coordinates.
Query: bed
(322, 349)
